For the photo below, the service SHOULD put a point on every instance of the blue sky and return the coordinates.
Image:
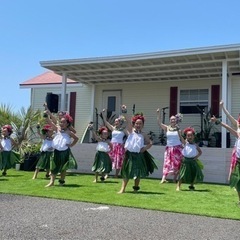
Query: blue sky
(41, 30)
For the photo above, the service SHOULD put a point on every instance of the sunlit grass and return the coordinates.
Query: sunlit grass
(208, 199)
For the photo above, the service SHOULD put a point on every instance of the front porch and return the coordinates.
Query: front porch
(216, 161)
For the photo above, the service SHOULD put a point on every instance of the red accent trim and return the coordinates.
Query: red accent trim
(72, 110)
(173, 101)
(215, 98)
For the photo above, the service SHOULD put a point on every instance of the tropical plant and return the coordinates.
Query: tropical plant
(25, 133)
(24, 128)
(209, 127)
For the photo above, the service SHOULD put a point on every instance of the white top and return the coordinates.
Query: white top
(134, 142)
(47, 146)
(190, 150)
(6, 144)
(117, 136)
(103, 147)
(238, 148)
(61, 140)
(173, 138)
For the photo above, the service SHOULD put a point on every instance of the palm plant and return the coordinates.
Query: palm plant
(23, 124)
(25, 134)
(208, 126)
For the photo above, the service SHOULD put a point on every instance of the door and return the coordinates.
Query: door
(112, 102)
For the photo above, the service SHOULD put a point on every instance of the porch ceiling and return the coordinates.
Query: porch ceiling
(190, 64)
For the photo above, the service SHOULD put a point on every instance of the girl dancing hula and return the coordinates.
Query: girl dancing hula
(190, 171)
(235, 173)
(118, 134)
(236, 126)
(46, 150)
(138, 163)
(62, 142)
(7, 157)
(173, 150)
(102, 162)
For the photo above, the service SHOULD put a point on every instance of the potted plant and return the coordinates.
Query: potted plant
(26, 137)
(208, 128)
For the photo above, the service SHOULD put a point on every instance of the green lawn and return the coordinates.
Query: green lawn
(207, 200)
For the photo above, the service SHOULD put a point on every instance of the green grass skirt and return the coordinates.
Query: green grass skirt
(8, 159)
(62, 161)
(137, 165)
(102, 163)
(44, 160)
(235, 176)
(190, 171)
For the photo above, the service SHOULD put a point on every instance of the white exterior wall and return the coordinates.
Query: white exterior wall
(83, 104)
(147, 97)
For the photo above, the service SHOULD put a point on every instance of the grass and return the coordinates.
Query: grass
(211, 200)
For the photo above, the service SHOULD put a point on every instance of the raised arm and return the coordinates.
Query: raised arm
(47, 111)
(107, 124)
(161, 125)
(95, 136)
(230, 129)
(229, 116)
(128, 119)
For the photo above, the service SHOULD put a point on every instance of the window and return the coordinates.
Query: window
(111, 104)
(193, 100)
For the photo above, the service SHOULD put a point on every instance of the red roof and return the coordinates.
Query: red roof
(46, 78)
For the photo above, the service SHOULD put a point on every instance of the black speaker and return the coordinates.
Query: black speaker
(52, 102)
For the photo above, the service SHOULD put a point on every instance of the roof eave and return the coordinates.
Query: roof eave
(132, 57)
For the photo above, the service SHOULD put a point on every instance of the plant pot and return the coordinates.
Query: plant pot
(17, 166)
(30, 163)
(205, 143)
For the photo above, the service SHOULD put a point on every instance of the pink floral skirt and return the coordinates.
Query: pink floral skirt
(233, 162)
(172, 160)
(117, 155)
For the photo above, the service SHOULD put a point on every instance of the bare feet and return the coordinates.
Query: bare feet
(121, 191)
(50, 184)
(164, 181)
(178, 189)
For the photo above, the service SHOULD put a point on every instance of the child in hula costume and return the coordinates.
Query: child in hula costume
(46, 150)
(7, 157)
(190, 170)
(235, 173)
(63, 158)
(102, 162)
(138, 163)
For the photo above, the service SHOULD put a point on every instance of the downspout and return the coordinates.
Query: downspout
(63, 92)
(224, 98)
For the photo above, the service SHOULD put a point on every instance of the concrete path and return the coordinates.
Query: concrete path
(41, 218)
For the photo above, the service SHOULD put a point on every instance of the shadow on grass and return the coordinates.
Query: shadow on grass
(107, 182)
(12, 176)
(3, 179)
(196, 190)
(71, 185)
(145, 193)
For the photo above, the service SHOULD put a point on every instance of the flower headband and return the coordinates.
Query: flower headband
(9, 128)
(189, 129)
(102, 129)
(138, 116)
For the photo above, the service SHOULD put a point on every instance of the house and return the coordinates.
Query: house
(190, 81)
